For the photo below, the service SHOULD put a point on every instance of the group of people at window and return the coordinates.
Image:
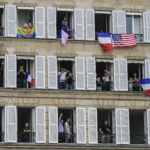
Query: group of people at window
(134, 83)
(27, 24)
(103, 84)
(66, 79)
(64, 130)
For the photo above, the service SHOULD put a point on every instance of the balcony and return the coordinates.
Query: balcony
(26, 137)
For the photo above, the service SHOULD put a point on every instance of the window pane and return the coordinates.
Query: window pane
(129, 24)
(137, 25)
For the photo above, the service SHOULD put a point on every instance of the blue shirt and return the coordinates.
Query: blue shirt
(60, 126)
(65, 28)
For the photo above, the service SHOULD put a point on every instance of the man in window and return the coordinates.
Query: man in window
(21, 78)
(28, 25)
(67, 131)
(136, 82)
(62, 78)
(26, 132)
(61, 129)
(1, 73)
(106, 80)
(69, 80)
(105, 132)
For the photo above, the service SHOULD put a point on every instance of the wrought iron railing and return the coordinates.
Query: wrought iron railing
(106, 138)
(106, 86)
(65, 138)
(134, 86)
(138, 139)
(138, 37)
(26, 137)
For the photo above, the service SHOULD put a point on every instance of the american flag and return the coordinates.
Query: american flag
(123, 40)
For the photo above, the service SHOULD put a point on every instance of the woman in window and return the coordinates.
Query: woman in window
(106, 81)
(69, 80)
(21, 77)
(136, 82)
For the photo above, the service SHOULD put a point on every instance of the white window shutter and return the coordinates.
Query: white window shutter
(147, 68)
(80, 73)
(148, 126)
(51, 22)
(122, 126)
(79, 24)
(81, 125)
(10, 71)
(91, 73)
(120, 74)
(92, 126)
(52, 72)
(40, 22)
(53, 125)
(10, 26)
(40, 72)
(10, 124)
(40, 125)
(90, 24)
(146, 21)
(119, 22)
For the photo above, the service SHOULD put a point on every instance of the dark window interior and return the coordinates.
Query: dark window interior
(135, 68)
(60, 17)
(66, 64)
(102, 23)
(1, 73)
(137, 127)
(1, 22)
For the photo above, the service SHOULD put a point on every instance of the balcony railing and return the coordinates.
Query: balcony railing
(106, 138)
(26, 137)
(63, 138)
(134, 86)
(106, 86)
(138, 139)
(138, 37)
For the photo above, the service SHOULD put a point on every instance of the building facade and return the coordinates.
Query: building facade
(120, 99)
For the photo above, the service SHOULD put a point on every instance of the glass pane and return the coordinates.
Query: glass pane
(137, 25)
(129, 23)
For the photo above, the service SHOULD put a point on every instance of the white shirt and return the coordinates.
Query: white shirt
(62, 78)
(67, 127)
(106, 79)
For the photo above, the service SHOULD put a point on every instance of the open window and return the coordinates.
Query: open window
(2, 25)
(102, 22)
(134, 25)
(137, 135)
(104, 76)
(65, 17)
(68, 65)
(25, 17)
(25, 72)
(135, 72)
(26, 125)
(2, 124)
(1, 71)
(67, 117)
(106, 126)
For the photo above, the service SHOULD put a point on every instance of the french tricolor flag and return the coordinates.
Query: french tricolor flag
(29, 79)
(105, 41)
(146, 86)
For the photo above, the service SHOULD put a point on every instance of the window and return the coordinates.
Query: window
(25, 17)
(66, 118)
(2, 21)
(102, 22)
(137, 135)
(66, 79)
(26, 125)
(104, 75)
(64, 19)
(106, 120)
(133, 25)
(25, 67)
(135, 72)
(1, 72)
(2, 124)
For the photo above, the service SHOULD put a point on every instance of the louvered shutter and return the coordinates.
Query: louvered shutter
(146, 21)
(52, 72)
(10, 26)
(53, 125)
(119, 22)
(40, 22)
(122, 126)
(51, 22)
(40, 125)
(90, 24)
(148, 125)
(92, 126)
(79, 24)
(120, 74)
(10, 71)
(40, 72)
(80, 73)
(147, 68)
(10, 124)
(91, 73)
(81, 125)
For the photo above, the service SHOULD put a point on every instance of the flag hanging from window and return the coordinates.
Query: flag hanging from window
(146, 86)
(105, 41)
(29, 78)
(123, 40)
(64, 37)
